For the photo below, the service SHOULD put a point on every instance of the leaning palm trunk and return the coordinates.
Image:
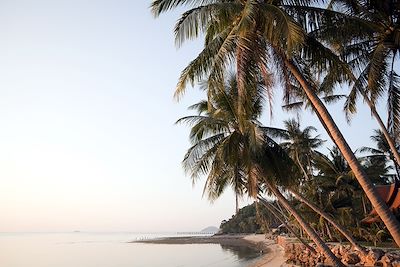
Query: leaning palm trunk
(327, 217)
(307, 228)
(275, 213)
(379, 205)
(384, 130)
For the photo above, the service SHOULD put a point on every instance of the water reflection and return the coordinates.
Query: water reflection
(241, 252)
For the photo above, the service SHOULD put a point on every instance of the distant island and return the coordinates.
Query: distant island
(210, 229)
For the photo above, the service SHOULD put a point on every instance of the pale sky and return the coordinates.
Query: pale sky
(87, 134)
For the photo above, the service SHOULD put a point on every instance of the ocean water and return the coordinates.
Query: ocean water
(113, 250)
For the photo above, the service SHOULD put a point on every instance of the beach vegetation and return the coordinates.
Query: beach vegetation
(252, 218)
(307, 49)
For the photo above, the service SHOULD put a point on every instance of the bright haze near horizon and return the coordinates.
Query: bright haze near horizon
(87, 134)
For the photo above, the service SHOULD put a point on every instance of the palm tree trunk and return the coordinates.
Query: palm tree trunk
(379, 205)
(364, 206)
(332, 221)
(328, 232)
(238, 186)
(384, 130)
(240, 85)
(237, 203)
(275, 213)
(313, 235)
(301, 166)
(397, 168)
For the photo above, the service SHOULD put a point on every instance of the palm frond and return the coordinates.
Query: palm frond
(279, 26)
(214, 54)
(378, 69)
(198, 20)
(161, 6)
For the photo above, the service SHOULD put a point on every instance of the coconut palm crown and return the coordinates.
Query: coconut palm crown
(220, 148)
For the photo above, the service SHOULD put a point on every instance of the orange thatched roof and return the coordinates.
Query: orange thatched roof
(391, 195)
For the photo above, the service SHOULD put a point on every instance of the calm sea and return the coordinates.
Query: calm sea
(112, 250)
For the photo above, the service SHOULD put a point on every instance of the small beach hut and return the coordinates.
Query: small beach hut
(391, 195)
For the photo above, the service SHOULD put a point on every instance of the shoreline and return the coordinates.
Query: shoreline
(274, 256)
(272, 253)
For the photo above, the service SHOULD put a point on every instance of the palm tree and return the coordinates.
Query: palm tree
(330, 219)
(368, 187)
(216, 139)
(382, 150)
(335, 180)
(228, 140)
(298, 143)
(301, 146)
(253, 33)
(272, 167)
(371, 49)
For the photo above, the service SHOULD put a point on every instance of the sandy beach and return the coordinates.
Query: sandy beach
(273, 254)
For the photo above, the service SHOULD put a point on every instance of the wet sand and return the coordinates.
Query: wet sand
(231, 240)
(273, 254)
